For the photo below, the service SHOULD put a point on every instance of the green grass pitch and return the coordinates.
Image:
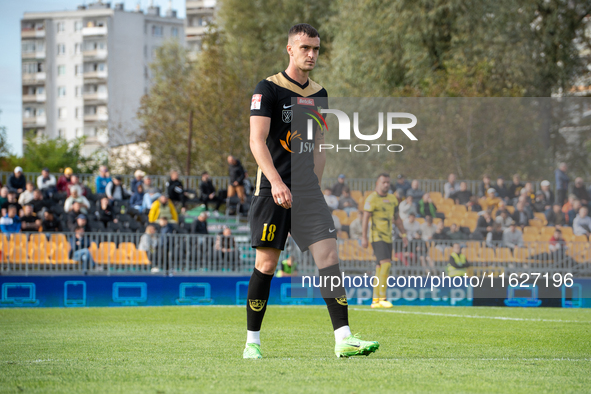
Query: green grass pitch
(199, 349)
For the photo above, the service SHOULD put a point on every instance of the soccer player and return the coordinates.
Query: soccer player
(381, 207)
(279, 151)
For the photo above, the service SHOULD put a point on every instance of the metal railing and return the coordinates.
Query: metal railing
(191, 254)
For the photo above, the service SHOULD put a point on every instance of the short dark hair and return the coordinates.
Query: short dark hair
(304, 28)
(383, 174)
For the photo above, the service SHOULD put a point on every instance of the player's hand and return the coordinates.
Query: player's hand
(281, 195)
(364, 243)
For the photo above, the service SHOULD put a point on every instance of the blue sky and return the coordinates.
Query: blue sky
(11, 12)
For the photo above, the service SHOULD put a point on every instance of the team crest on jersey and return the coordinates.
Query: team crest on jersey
(342, 300)
(257, 305)
(287, 115)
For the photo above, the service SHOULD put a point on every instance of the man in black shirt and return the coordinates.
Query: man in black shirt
(199, 226)
(11, 200)
(237, 175)
(73, 214)
(463, 195)
(281, 147)
(49, 223)
(29, 221)
(208, 192)
(175, 189)
(38, 201)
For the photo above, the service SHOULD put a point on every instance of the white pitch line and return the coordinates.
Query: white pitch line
(470, 316)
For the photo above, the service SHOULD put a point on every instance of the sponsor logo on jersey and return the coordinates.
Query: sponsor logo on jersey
(257, 305)
(287, 143)
(255, 103)
(287, 115)
(305, 101)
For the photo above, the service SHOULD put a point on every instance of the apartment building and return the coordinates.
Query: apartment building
(200, 13)
(85, 71)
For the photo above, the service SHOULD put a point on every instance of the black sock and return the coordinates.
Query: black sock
(258, 295)
(336, 299)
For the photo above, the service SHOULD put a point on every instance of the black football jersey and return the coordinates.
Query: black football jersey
(289, 105)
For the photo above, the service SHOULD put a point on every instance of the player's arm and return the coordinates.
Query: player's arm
(319, 157)
(259, 131)
(364, 225)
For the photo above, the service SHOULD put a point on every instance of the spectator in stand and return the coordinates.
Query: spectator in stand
(73, 214)
(473, 205)
(491, 201)
(331, 201)
(105, 213)
(414, 191)
(115, 190)
(11, 222)
(502, 207)
(82, 221)
(485, 186)
(346, 202)
(495, 237)
(3, 195)
(501, 189)
(440, 234)
(548, 195)
(451, 186)
(149, 241)
(49, 223)
(64, 180)
(485, 223)
(515, 188)
(248, 188)
(556, 217)
(338, 187)
(428, 228)
(208, 192)
(457, 264)
(29, 221)
(225, 246)
(407, 207)
(102, 180)
(355, 229)
(512, 237)
(137, 198)
(47, 183)
(504, 219)
(17, 182)
(582, 223)
(176, 190)
(521, 216)
(557, 245)
(236, 185)
(561, 181)
(27, 195)
(38, 202)
(426, 207)
(199, 226)
(11, 200)
(573, 212)
(163, 208)
(138, 179)
(75, 195)
(580, 191)
(75, 181)
(526, 201)
(539, 204)
(463, 195)
(455, 234)
(401, 184)
(79, 248)
(152, 194)
(529, 192)
(411, 226)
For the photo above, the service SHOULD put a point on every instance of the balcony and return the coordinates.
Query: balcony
(34, 98)
(95, 74)
(195, 30)
(39, 120)
(34, 79)
(32, 33)
(199, 4)
(34, 55)
(95, 96)
(96, 118)
(94, 31)
(95, 54)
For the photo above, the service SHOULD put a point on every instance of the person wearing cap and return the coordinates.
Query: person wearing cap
(79, 251)
(138, 179)
(29, 221)
(102, 180)
(64, 180)
(501, 189)
(115, 190)
(17, 182)
(338, 187)
(82, 221)
(451, 186)
(401, 184)
(548, 195)
(491, 201)
(512, 236)
(46, 183)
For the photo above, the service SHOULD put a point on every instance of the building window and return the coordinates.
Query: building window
(157, 31)
(61, 70)
(61, 91)
(77, 25)
(61, 133)
(77, 48)
(154, 52)
(78, 69)
(78, 112)
(101, 67)
(62, 113)
(145, 51)
(40, 111)
(28, 46)
(29, 68)
(78, 91)
(175, 32)
(61, 49)
(61, 27)
(40, 90)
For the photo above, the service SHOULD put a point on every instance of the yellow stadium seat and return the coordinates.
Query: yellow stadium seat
(472, 254)
(119, 256)
(470, 223)
(353, 215)
(420, 220)
(128, 247)
(39, 256)
(436, 195)
(436, 221)
(567, 230)
(104, 253)
(531, 237)
(139, 257)
(58, 238)
(18, 255)
(342, 235)
(540, 216)
(356, 195)
(510, 209)
(487, 254)
(536, 222)
(436, 255)
(531, 230)
(4, 248)
(449, 221)
(39, 240)
(459, 208)
(342, 215)
(474, 244)
(367, 193)
(18, 239)
(504, 255)
(580, 238)
(60, 255)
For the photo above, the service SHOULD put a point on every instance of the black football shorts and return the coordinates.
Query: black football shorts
(309, 220)
(382, 250)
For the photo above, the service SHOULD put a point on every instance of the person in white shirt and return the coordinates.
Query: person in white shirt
(428, 228)
(407, 207)
(451, 186)
(27, 196)
(331, 200)
(76, 195)
(411, 226)
(46, 183)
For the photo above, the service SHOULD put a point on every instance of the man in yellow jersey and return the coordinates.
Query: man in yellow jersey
(381, 207)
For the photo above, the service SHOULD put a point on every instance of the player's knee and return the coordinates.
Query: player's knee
(266, 266)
